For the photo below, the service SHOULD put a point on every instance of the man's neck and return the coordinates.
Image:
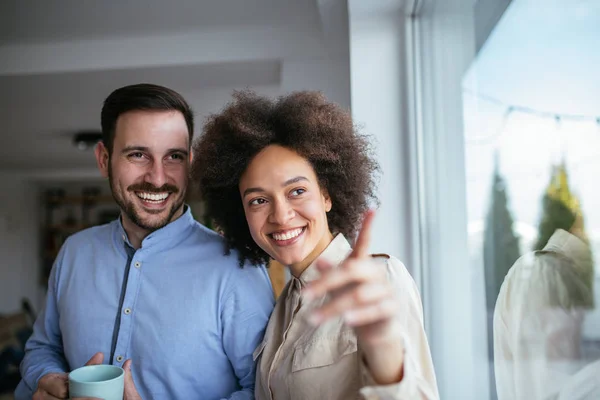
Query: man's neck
(136, 234)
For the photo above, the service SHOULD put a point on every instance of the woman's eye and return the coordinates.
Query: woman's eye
(297, 192)
(256, 202)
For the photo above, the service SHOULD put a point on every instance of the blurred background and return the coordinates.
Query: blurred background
(485, 116)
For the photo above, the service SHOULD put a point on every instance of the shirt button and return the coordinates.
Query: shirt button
(127, 311)
(119, 358)
(137, 264)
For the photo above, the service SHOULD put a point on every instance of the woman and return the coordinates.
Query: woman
(291, 180)
(540, 314)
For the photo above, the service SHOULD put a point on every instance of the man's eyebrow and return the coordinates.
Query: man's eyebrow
(134, 148)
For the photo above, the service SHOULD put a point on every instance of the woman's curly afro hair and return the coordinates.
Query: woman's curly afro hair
(318, 130)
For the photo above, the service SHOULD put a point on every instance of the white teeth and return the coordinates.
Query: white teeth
(152, 196)
(287, 235)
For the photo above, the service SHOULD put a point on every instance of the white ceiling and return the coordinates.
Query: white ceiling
(40, 108)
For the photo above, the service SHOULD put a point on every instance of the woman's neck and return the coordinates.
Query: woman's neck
(299, 268)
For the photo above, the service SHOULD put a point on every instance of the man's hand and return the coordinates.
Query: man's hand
(56, 385)
(52, 386)
(131, 392)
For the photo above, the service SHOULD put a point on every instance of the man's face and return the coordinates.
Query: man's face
(148, 168)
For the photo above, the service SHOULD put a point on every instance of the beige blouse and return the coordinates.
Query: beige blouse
(297, 361)
(538, 323)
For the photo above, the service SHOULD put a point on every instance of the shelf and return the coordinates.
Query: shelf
(65, 228)
(81, 200)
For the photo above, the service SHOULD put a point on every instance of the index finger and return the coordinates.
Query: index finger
(361, 248)
(96, 359)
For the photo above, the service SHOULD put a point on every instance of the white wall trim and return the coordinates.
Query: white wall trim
(378, 96)
(250, 44)
(440, 47)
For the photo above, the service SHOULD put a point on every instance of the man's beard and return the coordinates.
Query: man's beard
(128, 206)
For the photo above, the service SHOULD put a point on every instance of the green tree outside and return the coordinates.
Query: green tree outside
(501, 244)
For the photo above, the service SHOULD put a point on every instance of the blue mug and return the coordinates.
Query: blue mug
(101, 381)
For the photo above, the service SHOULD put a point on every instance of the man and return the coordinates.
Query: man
(153, 291)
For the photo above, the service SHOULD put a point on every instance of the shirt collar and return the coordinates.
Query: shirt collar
(164, 237)
(336, 252)
(572, 247)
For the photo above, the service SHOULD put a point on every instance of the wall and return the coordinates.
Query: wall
(329, 75)
(19, 243)
(378, 88)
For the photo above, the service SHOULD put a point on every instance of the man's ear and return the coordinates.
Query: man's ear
(102, 159)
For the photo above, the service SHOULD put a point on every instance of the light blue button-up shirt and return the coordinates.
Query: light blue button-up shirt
(187, 316)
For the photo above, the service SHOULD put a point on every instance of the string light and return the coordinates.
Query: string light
(492, 138)
(509, 109)
(530, 110)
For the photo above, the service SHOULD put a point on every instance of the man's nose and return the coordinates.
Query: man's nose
(156, 175)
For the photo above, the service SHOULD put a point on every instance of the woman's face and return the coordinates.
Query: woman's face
(285, 207)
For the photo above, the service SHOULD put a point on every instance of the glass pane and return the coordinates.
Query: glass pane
(532, 148)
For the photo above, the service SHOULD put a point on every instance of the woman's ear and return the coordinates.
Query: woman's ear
(326, 200)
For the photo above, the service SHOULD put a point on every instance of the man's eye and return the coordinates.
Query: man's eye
(136, 155)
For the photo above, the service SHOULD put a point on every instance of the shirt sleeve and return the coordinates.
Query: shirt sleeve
(246, 311)
(503, 349)
(43, 351)
(418, 381)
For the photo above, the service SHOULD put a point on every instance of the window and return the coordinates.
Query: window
(509, 147)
